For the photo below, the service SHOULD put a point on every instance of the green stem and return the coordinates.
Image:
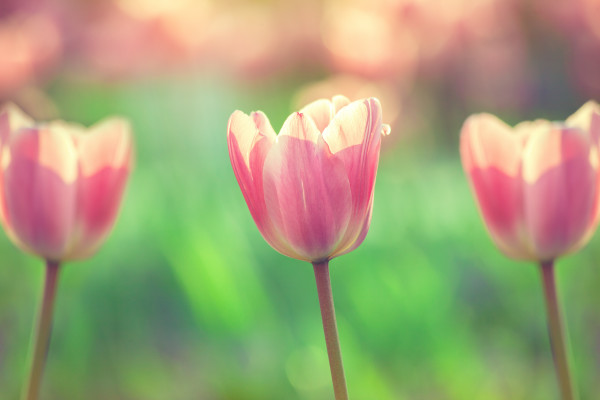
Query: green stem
(42, 333)
(330, 327)
(558, 340)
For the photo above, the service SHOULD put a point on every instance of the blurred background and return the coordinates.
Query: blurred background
(187, 301)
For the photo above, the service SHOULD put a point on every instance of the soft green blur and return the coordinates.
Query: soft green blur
(187, 301)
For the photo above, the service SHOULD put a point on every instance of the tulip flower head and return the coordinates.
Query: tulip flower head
(61, 184)
(310, 188)
(537, 184)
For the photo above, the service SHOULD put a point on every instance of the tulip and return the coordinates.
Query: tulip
(310, 188)
(60, 190)
(538, 189)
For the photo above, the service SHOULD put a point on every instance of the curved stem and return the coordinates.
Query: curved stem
(558, 340)
(330, 327)
(42, 333)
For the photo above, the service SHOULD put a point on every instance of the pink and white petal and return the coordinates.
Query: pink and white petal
(105, 158)
(256, 203)
(491, 157)
(321, 112)
(98, 202)
(339, 102)
(499, 199)
(300, 126)
(354, 136)
(39, 187)
(263, 125)
(351, 242)
(491, 143)
(593, 223)
(587, 118)
(247, 159)
(108, 144)
(241, 132)
(524, 130)
(355, 124)
(559, 190)
(307, 195)
(12, 118)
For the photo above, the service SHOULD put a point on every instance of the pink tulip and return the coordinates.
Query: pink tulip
(537, 184)
(310, 188)
(61, 184)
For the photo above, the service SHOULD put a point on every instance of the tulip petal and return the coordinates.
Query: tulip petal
(105, 160)
(250, 139)
(354, 136)
(491, 157)
(39, 190)
(298, 126)
(489, 142)
(108, 144)
(587, 118)
(241, 131)
(321, 111)
(339, 102)
(263, 125)
(11, 120)
(307, 193)
(354, 124)
(350, 241)
(560, 189)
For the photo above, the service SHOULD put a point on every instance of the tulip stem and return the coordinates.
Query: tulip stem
(330, 327)
(42, 333)
(558, 337)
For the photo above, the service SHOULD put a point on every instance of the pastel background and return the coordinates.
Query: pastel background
(187, 301)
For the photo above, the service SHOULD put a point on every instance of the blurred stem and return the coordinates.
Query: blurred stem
(558, 340)
(42, 333)
(330, 327)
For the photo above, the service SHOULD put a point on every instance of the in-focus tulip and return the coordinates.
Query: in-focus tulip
(61, 184)
(537, 184)
(310, 188)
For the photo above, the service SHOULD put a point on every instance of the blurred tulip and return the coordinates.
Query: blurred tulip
(537, 184)
(310, 189)
(61, 184)
(60, 189)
